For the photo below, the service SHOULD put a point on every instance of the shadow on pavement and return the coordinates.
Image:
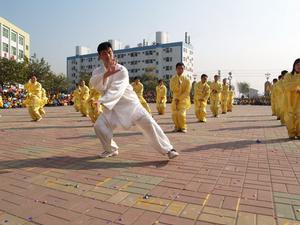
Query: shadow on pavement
(235, 144)
(75, 163)
(94, 136)
(246, 128)
(46, 127)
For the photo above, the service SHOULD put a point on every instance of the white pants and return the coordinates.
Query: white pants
(155, 135)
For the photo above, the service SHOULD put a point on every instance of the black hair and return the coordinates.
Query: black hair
(160, 80)
(279, 77)
(180, 64)
(136, 78)
(275, 80)
(284, 72)
(294, 65)
(104, 46)
(204, 75)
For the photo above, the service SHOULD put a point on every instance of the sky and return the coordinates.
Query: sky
(247, 37)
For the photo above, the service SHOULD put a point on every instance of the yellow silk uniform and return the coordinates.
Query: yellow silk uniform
(180, 87)
(215, 97)
(43, 102)
(230, 100)
(280, 101)
(161, 98)
(33, 99)
(76, 99)
(201, 95)
(93, 110)
(224, 97)
(273, 99)
(1, 102)
(139, 89)
(292, 116)
(84, 95)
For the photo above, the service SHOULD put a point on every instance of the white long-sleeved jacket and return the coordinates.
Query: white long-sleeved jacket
(118, 96)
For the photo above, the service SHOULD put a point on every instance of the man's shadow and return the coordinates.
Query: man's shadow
(83, 163)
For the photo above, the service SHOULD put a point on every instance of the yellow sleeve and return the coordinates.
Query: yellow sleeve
(186, 89)
(206, 92)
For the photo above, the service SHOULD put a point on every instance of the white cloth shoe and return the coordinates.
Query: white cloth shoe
(107, 154)
(172, 154)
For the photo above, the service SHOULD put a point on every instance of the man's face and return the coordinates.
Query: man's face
(216, 78)
(106, 55)
(179, 70)
(33, 79)
(136, 81)
(203, 79)
(224, 81)
(82, 83)
(297, 67)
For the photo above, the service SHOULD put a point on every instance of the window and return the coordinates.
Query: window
(14, 36)
(13, 50)
(167, 50)
(21, 40)
(5, 47)
(168, 67)
(168, 59)
(27, 47)
(5, 32)
(21, 54)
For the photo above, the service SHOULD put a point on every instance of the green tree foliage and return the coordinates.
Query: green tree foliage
(12, 72)
(243, 88)
(86, 77)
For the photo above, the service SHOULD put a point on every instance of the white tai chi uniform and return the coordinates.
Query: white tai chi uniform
(123, 108)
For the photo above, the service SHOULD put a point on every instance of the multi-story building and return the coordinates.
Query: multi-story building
(14, 42)
(160, 59)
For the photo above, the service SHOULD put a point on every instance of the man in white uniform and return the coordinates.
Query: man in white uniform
(121, 107)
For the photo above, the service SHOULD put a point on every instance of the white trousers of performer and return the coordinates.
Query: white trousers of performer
(141, 118)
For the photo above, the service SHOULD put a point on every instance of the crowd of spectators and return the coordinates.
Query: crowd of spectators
(13, 97)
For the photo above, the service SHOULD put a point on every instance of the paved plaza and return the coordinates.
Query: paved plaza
(239, 169)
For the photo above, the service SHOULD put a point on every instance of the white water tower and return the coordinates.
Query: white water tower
(162, 37)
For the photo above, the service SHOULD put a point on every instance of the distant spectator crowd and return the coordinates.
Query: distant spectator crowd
(12, 96)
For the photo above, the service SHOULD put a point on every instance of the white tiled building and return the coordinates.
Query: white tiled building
(14, 42)
(159, 59)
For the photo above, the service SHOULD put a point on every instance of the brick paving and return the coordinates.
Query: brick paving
(239, 169)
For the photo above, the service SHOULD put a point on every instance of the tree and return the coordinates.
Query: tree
(243, 87)
(85, 76)
(10, 71)
(13, 72)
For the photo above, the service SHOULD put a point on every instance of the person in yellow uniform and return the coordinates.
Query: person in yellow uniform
(161, 97)
(230, 99)
(43, 102)
(292, 90)
(138, 88)
(84, 95)
(201, 95)
(33, 98)
(281, 100)
(273, 97)
(94, 110)
(279, 97)
(76, 98)
(1, 102)
(215, 95)
(180, 87)
(224, 96)
(284, 100)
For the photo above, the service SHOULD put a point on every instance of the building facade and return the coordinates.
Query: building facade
(158, 59)
(14, 42)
